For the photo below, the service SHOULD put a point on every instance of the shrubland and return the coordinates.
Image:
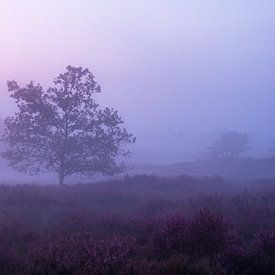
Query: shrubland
(139, 225)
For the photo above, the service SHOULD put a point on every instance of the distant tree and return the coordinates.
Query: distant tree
(62, 129)
(2, 126)
(1, 133)
(229, 145)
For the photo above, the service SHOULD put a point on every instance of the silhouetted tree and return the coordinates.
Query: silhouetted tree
(62, 129)
(1, 133)
(230, 145)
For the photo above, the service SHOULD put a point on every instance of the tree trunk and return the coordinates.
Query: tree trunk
(61, 179)
(61, 169)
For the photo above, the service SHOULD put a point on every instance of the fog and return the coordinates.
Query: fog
(179, 72)
(150, 148)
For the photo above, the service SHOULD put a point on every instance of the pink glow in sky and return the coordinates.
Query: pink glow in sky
(193, 64)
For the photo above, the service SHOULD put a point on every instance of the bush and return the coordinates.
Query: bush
(80, 255)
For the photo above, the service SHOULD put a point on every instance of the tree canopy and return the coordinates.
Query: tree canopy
(230, 145)
(63, 130)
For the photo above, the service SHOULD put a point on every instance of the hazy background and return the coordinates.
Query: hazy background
(180, 72)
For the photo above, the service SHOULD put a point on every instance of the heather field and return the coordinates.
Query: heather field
(139, 225)
(137, 137)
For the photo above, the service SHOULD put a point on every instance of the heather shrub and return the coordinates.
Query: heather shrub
(80, 255)
(16, 231)
(265, 242)
(257, 258)
(172, 238)
(11, 262)
(209, 234)
(177, 265)
(238, 260)
(77, 221)
(206, 235)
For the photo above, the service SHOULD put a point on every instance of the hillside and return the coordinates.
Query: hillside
(235, 169)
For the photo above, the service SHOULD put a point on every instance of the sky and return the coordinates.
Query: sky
(177, 70)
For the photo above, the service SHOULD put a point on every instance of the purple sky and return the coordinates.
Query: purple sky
(197, 65)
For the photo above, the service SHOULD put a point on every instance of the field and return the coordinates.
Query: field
(139, 225)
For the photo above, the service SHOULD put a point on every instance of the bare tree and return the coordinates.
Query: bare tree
(230, 145)
(62, 129)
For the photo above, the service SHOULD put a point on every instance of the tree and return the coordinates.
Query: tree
(230, 145)
(63, 130)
